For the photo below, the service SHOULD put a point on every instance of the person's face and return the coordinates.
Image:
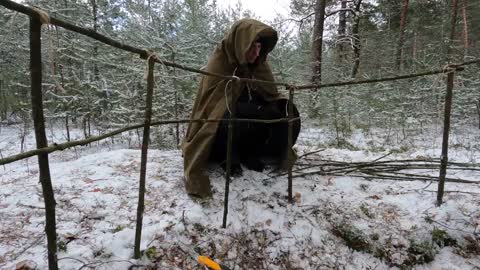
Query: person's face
(253, 52)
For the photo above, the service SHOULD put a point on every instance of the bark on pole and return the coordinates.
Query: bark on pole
(446, 131)
(229, 162)
(143, 164)
(448, 109)
(290, 144)
(41, 139)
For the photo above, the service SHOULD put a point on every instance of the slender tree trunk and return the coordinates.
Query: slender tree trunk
(401, 36)
(66, 108)
(84, 126)
(478, 111)
(465, 29)
(414, 46)
(95, 46)
(96, 72)
(150, 11)
(25, 129)
(318, 40)
(41, 138)
(67, 126)
(89, 121)
(342, 29)
(356, 40)
(3, 103)
(452, 31)
(177, 125)
(335, 119)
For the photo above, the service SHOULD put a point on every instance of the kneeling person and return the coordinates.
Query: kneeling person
(242, 53)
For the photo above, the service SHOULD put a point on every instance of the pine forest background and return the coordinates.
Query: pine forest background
(90, 85)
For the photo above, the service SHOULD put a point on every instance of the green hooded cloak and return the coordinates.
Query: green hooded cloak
(214, 93)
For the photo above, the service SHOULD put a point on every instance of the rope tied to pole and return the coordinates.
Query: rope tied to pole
(449, 68)
(45, 19)
(42, 15)
(294, 88)
(150, 54)
(237, 79)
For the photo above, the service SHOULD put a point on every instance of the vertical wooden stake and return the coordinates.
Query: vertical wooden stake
(229, 162)
(446, 131)
(41, 138)
(143, 164)
(448, 109)
(290, 143)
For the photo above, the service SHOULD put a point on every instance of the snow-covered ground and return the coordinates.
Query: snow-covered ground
(336, 222)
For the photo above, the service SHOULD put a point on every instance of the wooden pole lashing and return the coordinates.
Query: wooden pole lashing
(41, 139)
(143, 163)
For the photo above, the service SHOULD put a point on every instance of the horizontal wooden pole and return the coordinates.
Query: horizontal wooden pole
(143, 53)
(59, 147)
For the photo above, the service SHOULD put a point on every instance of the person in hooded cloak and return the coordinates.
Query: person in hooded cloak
(242, 53)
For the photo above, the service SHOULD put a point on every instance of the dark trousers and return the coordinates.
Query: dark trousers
(252, 141)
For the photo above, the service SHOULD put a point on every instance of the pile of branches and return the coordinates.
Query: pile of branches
(419, 169)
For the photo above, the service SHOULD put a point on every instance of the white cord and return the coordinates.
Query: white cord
(225, 91)
(286, 108)
(226, 97)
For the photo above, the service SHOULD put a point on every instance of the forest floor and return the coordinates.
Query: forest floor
(335, 221)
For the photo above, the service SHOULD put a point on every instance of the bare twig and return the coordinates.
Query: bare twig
(455, 191)
(387, 169)
(311, 153)
(34, 243)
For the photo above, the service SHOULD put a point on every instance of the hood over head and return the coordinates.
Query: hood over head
(242, 35)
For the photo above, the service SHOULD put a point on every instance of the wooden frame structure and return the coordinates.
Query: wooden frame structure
(37, 18)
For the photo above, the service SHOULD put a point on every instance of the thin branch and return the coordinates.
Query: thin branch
(311, 153)
(339, 10)
(388, 169)
(35, 242)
